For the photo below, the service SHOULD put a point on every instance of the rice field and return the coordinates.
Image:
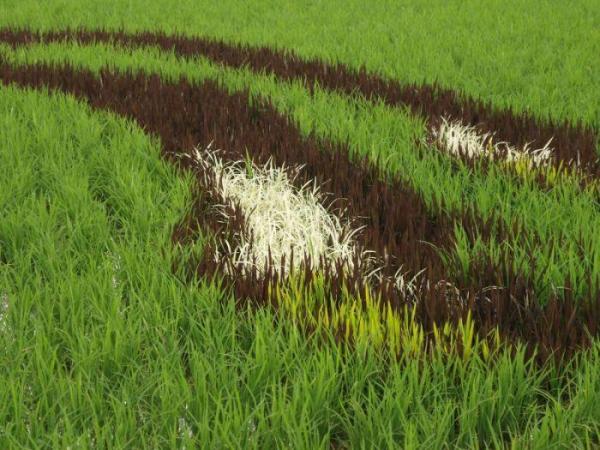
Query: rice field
(299, 224)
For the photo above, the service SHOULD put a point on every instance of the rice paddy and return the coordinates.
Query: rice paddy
(225, 231)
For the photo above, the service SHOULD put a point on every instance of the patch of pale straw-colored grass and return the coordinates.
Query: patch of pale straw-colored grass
(280, 217)
(459, 139)
(3, 312)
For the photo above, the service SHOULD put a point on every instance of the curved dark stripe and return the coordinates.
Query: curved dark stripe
(183, 115)
(571, 141)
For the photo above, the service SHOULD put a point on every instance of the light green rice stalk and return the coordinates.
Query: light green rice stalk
(457, 138)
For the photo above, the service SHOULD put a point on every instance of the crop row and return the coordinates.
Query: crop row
(397, 222)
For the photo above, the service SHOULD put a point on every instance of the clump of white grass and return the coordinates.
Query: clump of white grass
(459, 139)
(3, 312)
(116, 267)
(279, 217)
(184, 429)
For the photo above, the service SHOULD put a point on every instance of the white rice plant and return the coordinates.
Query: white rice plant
(457, 138)
(279, 217)
(3, 312)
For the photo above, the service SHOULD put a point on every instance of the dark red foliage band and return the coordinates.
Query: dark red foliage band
(571, 142)
(183, 116)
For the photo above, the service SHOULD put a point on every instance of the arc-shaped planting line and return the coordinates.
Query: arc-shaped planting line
(571, 143)
(397, 223)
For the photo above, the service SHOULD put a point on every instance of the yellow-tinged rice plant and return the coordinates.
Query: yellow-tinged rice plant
(365, 321)
(552, 175)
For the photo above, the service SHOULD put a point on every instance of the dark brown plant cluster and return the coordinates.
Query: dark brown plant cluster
(397, 223)
(572, 142)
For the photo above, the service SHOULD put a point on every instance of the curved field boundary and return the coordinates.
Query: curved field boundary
(184, 116)
(572, 143)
